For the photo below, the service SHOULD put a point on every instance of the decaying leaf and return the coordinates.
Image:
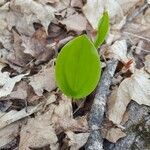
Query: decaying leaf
(76, 141)
(8, 134)
(147, 63)
(93, 9)
(13, 115)
(23, 14)
(114, 134)
(136, 88)
(48, 1)
(63, 117)
(119, 51)
(38, 133)
(36, 46)
(76, 22)
(77, 3)
(7, 84)
(44, 80)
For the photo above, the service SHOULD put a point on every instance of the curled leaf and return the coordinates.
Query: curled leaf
(103, 27)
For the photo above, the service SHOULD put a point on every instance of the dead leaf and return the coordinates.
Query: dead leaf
(9, 133)
(17, 57)
(147, 63)
(13, 115)
(2, 2)
(7, 84)
(36, 46)
(20, 91)
(44, 80)
(136, 88)
(48, 1)
(63, 120)
(77, 3)
(75, 22)
(76, 141)
(5, 34)
(114, 134)
(38, 133)
(119, 51)
(117, 9)
(23, 14)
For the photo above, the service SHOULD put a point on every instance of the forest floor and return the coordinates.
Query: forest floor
(35, 114)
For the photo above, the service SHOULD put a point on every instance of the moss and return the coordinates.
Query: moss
(142, 133)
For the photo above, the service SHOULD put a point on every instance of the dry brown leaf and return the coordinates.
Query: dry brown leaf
(5, 35)
(117, 9)
(38, 133)
(20, 91)
(114, 134)
(119, 51)
(75, 22)
(7, 84)
(47, 1)
(36, 46)
(137, 88)
(77, 3)
(23, 14)
(76, 141)
(63, 117)
(147, 63)
(13, 115)
(8, 133)
(44, 80)
(2, 2)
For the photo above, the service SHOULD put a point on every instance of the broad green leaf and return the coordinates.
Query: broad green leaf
(78, 68)
(103, 28)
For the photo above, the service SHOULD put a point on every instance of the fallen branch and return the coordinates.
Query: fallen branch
(95, 140)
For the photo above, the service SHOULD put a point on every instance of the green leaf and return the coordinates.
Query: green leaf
(103, 28)
(78, 68)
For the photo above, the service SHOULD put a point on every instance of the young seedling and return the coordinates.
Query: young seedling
(78, 66)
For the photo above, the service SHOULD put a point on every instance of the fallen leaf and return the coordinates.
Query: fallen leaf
(17, 57)
(36, 46)
(48, 1)
(23, 15)
(114, 134)
(117, 9)
(76, 141)
(119, 51)
(5, 34)
(44, 80)
(13, 115)
(147, 63)
(63, 120)
(2, 2)
(136, 88)
(75, 22)
(20, 91)
(77, 3)
(7, 84)
(93, 10)
(38, 133)
(9, 133)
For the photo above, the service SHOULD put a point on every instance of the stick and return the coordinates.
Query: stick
(95, 140)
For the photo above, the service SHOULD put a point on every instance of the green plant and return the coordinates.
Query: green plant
(78, 66)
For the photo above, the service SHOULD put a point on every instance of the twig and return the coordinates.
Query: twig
(95, 140)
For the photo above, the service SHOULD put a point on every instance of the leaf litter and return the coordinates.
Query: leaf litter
(31, 35)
